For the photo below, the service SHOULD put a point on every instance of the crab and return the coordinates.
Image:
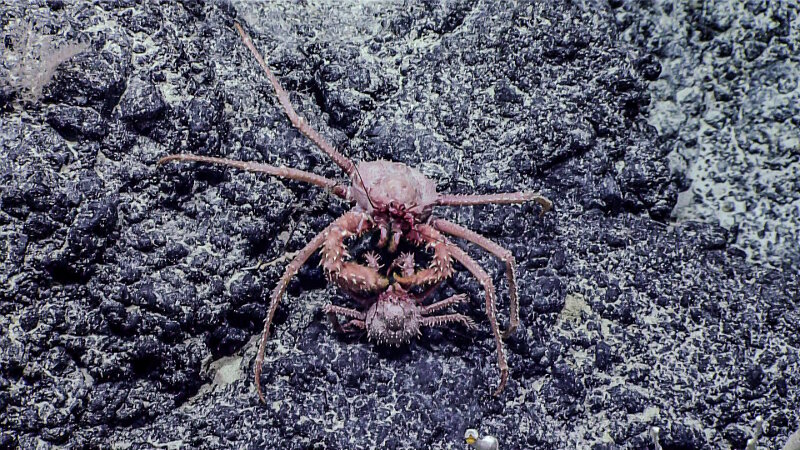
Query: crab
(396, 202)
(397, 315)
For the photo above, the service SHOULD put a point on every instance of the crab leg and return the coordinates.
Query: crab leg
(278, 291)
(435, 321)
(505, 198)
(296, 120)
(333, 250)
(508, 259)
(447, 249)
(358, 317)
(444, 319)
(282, 172)
(433, 307)
(347, 312)
(483, 278)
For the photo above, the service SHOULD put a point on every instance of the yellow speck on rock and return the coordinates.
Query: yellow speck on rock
(574, 304)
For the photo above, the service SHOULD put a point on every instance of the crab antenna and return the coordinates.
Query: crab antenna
(361, 180)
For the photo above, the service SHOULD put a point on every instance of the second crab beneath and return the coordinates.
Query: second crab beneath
(397, 315)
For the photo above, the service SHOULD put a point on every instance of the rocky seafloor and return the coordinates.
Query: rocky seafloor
(727, 104)
(132, 295)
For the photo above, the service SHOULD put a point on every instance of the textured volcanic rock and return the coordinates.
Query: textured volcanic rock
(130, 294)
(728, 105)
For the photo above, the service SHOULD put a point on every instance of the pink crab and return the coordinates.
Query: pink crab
(397, 201)
(397, 315)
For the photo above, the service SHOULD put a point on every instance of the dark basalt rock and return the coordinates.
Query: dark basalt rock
(73, 122)
(130, 294)
(141, 102)
(90, 79)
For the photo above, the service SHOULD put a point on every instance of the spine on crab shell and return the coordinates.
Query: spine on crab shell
(346, 274)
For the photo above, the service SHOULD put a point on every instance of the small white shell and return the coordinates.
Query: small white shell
(485, 443)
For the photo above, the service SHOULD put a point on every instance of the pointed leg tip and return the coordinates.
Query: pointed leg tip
(165, 159)
(546, 205)
(257, 377)
(259, 391)
(503, 380)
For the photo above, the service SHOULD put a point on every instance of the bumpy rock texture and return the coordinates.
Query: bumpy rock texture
(728, 106)
(130, 294)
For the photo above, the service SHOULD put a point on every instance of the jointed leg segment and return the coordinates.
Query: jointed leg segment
(500, 199)
(357, 318)
(331, 240)
(435, 321)
(486, 281)
(444, 319)
(442, 304)
(282, 172)
(508, 259)
(433, 236)
(296, 120)
(277, 293)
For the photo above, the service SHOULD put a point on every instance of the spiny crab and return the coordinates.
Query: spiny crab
(397, 202)
(397, 315)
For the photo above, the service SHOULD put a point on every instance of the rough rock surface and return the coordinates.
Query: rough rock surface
(130, 295)
(727, 104)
